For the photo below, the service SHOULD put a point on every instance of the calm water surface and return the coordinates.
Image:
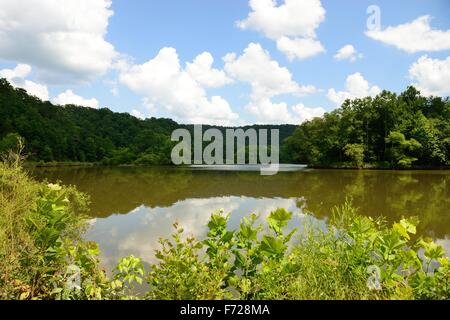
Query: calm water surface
(133, 207)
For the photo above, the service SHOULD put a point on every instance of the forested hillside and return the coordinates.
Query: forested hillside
(389, 130)
(73, 133)
(396, 131)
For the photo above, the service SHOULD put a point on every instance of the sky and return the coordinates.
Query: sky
(223, 62)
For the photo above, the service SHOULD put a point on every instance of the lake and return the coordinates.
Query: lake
(133, 207)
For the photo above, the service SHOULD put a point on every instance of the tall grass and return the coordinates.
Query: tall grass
(42, 253)
(17, 198)
(39, 223)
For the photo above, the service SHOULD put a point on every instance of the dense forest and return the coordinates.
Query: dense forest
(79, 134)
(390, 130)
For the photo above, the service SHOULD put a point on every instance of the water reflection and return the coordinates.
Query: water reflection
(138, 232)
(134, 207)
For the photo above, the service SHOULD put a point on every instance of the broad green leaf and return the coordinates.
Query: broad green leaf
(272, 246)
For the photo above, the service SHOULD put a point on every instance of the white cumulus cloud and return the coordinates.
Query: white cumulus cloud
(268, 112)
(165, 83)
(292, 24)
(69, 97)
(356, 87)
(267, 79)
(202, 71)
(136, 113)
(265, 76)
(63, 39)
(306, 113)
(413, 36)
(348, 52)
(299, 48)
(265, 111)
(17, 77)
(431, 76)
(292, 18)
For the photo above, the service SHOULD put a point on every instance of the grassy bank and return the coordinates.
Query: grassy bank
(54, 164)
(40, 237)
(69, 164)
(43, 255)
(373, 166)
(340, 165)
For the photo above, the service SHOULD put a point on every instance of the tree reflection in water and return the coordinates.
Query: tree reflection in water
(133, 207)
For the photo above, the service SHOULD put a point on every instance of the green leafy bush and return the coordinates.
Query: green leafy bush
(42, 254)
(356, 257)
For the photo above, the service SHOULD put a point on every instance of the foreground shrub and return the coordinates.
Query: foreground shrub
(356, 257)
(42, 255)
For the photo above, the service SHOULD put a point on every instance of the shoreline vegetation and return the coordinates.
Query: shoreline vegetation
(388, 131)
(43, 254)
(367, 166)
(341, 166)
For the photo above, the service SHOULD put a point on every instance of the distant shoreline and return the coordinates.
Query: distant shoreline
(321, 167)
(375, 167)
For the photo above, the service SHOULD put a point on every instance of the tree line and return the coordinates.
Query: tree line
(78, 134)
(389, 130)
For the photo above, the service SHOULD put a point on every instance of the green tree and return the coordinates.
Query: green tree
(9, 142)
(46, 154)
(401, 150)
(355, 152)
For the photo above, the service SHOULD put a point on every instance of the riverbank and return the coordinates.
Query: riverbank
(41, 164)
(336, 166)
(374, 166)
(69, 164)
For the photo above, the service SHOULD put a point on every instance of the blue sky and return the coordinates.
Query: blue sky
(116, 39)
